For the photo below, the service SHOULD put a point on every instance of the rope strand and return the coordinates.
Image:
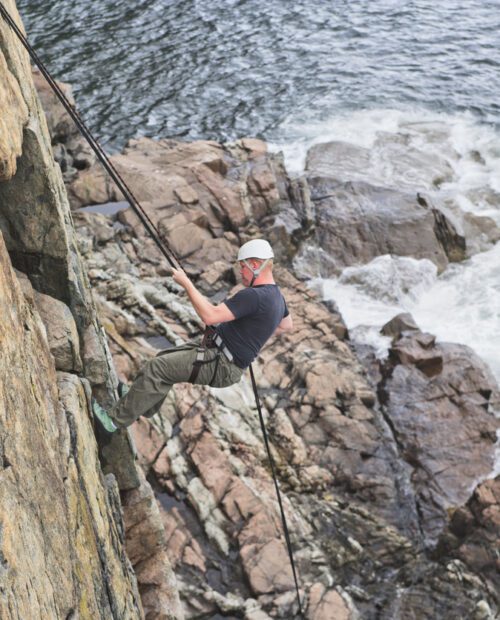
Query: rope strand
(273, 471)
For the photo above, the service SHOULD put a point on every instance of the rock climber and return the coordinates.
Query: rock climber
(236, 331)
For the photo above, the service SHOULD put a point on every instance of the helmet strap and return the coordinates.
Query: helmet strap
(256, 272)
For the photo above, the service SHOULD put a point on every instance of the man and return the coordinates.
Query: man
(243, 325)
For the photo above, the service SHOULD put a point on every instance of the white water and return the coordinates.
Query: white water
(461, 305)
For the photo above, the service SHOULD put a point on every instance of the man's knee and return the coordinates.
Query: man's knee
(172, 368)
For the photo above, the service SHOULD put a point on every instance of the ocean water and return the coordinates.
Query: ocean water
(372, 73)
(226, 69)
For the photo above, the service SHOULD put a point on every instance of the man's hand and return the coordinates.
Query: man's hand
(179, 276)
(208, 313)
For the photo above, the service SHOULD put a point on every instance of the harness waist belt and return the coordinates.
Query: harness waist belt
(212, 340)
(219, 343)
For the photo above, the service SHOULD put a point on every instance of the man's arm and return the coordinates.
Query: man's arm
(286, 325)
(206, 310)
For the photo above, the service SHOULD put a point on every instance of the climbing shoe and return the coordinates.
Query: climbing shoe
(102, 416)
(122, 389)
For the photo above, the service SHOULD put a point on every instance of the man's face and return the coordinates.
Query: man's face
(246, 274)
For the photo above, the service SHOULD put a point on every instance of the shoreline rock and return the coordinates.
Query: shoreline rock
(330, 438)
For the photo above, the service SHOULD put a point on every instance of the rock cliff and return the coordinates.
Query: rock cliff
(62, 529)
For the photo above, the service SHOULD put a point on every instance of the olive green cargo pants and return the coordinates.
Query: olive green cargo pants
(153, 383)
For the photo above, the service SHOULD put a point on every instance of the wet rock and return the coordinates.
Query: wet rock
(474, 533)
(401, 323)
(390, 162)
(356, 222)
(481, 233)
(340, 161)
(447, 232)
(440, 401)
(420, 352)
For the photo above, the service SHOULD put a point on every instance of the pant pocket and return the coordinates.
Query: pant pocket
(227, 374)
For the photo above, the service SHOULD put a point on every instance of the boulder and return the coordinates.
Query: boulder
(440, 400)
(185, 235)
(356, 222)
(401, 323)
(391, 161)
(420, 352)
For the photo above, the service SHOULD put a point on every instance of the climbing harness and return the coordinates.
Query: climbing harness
(211, 340)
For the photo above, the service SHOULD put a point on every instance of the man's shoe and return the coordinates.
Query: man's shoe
(103, 417)
(122, 389)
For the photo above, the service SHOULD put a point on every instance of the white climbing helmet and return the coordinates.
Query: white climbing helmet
(256, 248)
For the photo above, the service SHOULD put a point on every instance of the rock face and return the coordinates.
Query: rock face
(147, 549)
(62, 536)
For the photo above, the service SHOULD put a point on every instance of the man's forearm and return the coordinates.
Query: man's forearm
(208, 313)
(203, 308)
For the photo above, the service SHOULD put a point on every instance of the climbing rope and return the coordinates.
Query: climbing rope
(273, 471)
(151, 229)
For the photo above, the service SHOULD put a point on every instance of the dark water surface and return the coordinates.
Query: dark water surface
(226, 69)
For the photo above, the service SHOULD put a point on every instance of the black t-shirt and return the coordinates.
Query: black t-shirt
(258, 311)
